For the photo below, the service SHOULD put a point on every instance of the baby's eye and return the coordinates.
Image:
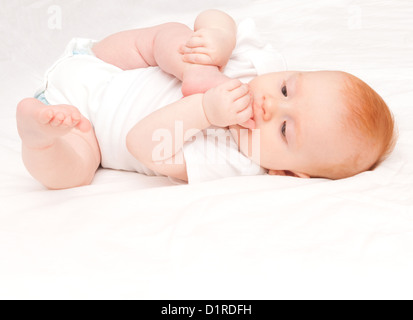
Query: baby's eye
(284, 90)
(284, 128)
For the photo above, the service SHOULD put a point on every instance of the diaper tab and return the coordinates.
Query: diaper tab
(81, 46)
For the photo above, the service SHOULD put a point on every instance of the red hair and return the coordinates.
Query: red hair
(371, 123)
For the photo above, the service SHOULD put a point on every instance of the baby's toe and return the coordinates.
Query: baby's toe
(46, 116)
(76, 117)
(68, 122)
(58, 119)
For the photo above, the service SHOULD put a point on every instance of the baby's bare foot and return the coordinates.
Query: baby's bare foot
(40, 125)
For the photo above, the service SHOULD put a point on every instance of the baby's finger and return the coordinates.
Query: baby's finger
(185, 50)
(244, 115)
(197, 58)
(240, 92)
(195, 42)
(242, 103)
(232, 84)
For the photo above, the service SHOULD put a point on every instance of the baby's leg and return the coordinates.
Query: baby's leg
(59, 146)
(160, 46)
(196, 78)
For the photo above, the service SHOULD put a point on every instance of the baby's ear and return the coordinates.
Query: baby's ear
(277, 172)
(301, 175)
(288, 173)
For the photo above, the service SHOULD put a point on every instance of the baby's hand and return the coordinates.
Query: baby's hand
(228, 104)
(208, 46)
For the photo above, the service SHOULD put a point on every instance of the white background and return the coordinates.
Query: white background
(132, 236)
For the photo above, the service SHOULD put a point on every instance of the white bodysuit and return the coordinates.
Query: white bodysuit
(115, 100)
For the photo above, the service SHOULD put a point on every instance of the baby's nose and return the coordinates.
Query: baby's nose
(268, 107)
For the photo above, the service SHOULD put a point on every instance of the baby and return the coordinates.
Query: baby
(305, 124)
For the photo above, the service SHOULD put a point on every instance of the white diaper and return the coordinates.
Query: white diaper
(78, 78)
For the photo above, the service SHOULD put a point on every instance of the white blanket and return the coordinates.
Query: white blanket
(133, 236)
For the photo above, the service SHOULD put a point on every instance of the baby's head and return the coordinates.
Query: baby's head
(327, 124)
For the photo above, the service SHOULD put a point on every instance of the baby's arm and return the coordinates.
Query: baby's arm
(184, 115)
(178, 122)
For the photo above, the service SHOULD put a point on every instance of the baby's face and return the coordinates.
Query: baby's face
(300, 118)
